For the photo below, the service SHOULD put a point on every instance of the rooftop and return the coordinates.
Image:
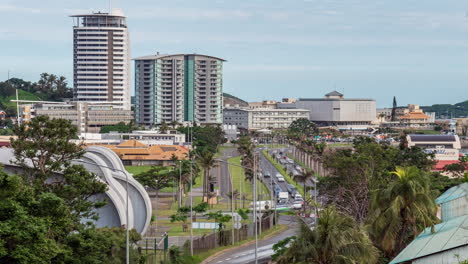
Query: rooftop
(453, 193)
(449, 234)
(433, 138)
(160, 56)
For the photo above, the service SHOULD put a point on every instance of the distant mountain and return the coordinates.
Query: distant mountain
(233, 100)
(448, 110)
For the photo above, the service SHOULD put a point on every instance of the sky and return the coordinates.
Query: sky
(412, 49)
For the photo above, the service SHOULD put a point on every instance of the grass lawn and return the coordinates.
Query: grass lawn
(423, 131)
(283, 172)
(239, 183)
(238, 178)
(137, 169)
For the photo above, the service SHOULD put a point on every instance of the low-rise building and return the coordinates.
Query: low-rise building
(263, 104)
(275, 118)
(262, 118)
(146, 137)
(337, 111)
(447, 242)
(411, 117)
(89, 117)
(135, 153)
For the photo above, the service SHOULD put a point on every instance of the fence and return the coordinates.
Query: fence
(224, 238)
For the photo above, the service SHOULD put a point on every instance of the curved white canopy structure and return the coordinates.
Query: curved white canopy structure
(109, 168)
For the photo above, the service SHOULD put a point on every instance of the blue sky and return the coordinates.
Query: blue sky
(416, 50)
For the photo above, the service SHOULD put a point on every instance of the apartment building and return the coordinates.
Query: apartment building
(178, 87)
(101, 58)
(89, 117)
(262, 118)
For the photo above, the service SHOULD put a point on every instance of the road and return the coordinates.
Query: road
(222, 171)
(266, 166)
(246, 254)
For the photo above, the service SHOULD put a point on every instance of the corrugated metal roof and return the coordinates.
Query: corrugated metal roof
(453, 193)
(435, 138)
(447, 235)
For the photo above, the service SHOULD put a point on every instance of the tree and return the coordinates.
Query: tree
(163, 128)
(43, 146)
(199, 209)
(303, 177)
(337, 238)
(46, 212)
(157, 177)
(302, 128)
(401, 210)
(181, 216)
(281, 247)
(207, 161)
(120, 127)
(233, 197)
(393, 115)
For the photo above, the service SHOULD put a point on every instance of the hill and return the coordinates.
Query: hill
(10, 107)
(448, 110)
(233, 100)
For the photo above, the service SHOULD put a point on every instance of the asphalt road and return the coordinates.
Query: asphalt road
(222, 171)
(266, 166)
(246, 254)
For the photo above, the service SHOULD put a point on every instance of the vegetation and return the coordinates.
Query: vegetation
(400, 210)
(302, 128)
(41, 214)
(337, 238)
(389, 190)
(205, 138)
(448, 110)
(120, 127)
(49, 87)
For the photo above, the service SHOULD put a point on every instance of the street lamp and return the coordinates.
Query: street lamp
(254, 198)
(127, 247)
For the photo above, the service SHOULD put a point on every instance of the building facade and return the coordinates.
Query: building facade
(101, 58)
(87, 116)
(180, 87)
(146, 137)
(262, 118)
(336, 111)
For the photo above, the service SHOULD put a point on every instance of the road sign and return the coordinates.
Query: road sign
(205, 225)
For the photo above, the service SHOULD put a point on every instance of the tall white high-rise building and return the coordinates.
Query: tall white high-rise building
(101, 58)
(178, 87)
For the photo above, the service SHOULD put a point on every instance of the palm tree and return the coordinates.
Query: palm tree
(163, 128)
(401, 210)
(174, 124)
(303, 177)
(233, 197)
(337, 238)
(207, 161)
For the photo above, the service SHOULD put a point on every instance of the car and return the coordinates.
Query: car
(266, 174)
(291, 189)
(297, 196)
(280, 177)
(297, 205)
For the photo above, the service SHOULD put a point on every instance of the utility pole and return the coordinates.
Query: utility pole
(256, 206)
(191, 193)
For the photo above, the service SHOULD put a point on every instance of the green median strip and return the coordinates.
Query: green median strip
(288, 178)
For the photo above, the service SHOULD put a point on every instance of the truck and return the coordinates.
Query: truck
(283, 197)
